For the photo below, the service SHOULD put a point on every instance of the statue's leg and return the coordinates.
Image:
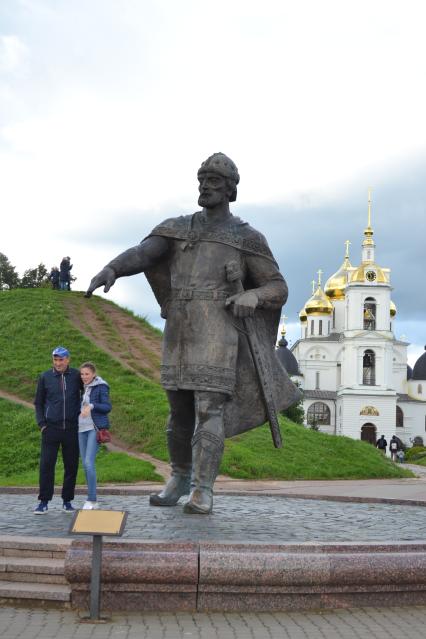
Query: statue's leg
(207, 450)
(180, 428)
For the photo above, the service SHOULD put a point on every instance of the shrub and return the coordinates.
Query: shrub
(416, 452)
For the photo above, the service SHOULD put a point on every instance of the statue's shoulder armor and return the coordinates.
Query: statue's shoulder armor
(253, 241)
(173, 226)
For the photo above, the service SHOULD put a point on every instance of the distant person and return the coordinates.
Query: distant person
(95, 406)
(400, 456)
(65, 274)
(57, 405)
(381, 444)
(393, 448)
(54, 278)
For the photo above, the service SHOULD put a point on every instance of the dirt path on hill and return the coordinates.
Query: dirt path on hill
(118, 334)
(14, 398)
(161, 467)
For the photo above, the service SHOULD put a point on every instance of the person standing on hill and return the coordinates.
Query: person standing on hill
(65, 274)
(95, 406)
(57, 406)
(54, 278)
(394, 448)
(381, 444)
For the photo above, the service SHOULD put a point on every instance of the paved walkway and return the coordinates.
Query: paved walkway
(242, 518)
(374, 623)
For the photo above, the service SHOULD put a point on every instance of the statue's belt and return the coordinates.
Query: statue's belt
(198, 294)
(191, 237)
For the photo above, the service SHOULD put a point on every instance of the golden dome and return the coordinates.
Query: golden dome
(318, 304)
(392, 309)
(336, 284)
(302, 315)
(362, 273)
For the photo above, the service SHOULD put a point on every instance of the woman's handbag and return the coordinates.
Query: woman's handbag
(102, 435)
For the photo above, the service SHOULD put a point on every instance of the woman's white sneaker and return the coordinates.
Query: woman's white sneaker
(90, 505)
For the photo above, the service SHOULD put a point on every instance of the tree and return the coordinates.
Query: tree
(295, 412)
(35, 277)
(9, 278)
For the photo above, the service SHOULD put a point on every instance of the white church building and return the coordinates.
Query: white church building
(352, 369)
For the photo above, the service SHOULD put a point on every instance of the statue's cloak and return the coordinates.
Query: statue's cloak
(245, 408)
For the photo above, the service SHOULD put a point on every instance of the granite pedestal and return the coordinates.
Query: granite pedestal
(249, 577)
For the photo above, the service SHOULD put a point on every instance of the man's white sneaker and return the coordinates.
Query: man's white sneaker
(90, 505)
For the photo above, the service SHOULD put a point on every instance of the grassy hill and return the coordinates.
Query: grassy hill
(20, 450)
(126, 351)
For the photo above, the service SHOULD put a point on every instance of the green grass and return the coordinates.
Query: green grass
(20, 451)
(419, 461)
(34, 321)
(306, 454)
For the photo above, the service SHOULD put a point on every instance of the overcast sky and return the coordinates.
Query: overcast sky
(108, 107)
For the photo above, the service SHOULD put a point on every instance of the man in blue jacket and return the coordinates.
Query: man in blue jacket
(57, 406)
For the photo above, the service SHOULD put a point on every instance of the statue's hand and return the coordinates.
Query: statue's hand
(105, 278)
(243, 304)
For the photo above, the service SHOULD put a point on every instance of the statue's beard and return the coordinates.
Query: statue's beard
(209, 200)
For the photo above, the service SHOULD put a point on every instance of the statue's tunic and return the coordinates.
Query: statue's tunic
(204, 347)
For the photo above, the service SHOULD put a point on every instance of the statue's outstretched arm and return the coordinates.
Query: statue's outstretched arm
(135, 260)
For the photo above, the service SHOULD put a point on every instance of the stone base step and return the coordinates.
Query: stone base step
(32, 571)
(42, 547)
(20, 590)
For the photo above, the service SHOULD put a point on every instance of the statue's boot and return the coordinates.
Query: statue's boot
(179, 483)
(207, 451)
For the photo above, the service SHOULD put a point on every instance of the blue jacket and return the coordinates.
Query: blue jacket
(57, 400)
(99, 399)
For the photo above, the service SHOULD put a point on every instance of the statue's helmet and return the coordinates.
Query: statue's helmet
(222, 165)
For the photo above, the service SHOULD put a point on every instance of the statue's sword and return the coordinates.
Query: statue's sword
(233, 273)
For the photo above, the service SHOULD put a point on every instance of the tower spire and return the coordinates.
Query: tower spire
(283, 326)
(368, 242)
(369, 207)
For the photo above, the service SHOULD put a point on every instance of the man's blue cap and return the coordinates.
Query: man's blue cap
(60, 351)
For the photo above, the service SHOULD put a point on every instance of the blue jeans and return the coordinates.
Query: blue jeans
(88, 449)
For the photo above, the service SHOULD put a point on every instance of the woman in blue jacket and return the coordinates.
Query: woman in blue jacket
(95, 406)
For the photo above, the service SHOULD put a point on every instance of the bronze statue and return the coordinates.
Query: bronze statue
(215, 279)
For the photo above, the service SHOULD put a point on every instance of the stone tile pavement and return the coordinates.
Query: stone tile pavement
(248, 518)
(374, 623)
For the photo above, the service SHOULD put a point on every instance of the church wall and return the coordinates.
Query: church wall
(327, 376)
(399, 378)
(318, 325)
(339, 317)
(399, 368)
(330, 429)
(356, 296)
(414, 422)
(417, 389)
(352, 421)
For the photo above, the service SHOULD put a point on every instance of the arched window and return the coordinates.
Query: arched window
(369, 368)
(318, 414)
(399, 417)
(419, 389)
(312, 327)
(320, 327)
(334, 318)
(369, 314)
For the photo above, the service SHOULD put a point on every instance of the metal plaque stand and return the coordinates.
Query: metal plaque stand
(97, 523)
